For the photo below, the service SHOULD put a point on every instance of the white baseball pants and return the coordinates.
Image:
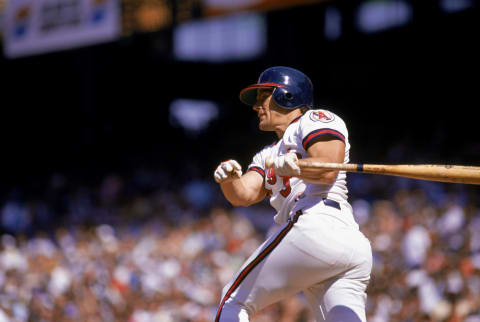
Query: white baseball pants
(330, 262)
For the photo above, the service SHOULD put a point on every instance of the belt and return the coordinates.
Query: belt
(326, 202)
(331, 203)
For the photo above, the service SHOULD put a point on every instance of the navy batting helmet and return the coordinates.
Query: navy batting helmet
(292, 88)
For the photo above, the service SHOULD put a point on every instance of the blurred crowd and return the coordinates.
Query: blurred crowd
(130, 248)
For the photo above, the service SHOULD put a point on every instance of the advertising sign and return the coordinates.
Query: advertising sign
(40, 26)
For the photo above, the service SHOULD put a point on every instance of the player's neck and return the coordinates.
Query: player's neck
(289, 118)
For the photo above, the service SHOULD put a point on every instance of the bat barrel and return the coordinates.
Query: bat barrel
(432, 172)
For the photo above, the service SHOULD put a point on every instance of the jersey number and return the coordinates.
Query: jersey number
(286, 187)
(272, 179)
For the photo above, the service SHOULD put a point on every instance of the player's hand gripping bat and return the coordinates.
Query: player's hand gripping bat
(431, 172)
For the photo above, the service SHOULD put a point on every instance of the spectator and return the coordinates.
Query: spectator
(123, 251)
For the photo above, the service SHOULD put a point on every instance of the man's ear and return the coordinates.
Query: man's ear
(275, 107)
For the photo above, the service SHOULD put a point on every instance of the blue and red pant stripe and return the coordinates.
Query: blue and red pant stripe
(244, 273)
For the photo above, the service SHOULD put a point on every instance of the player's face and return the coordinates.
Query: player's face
(269, 114)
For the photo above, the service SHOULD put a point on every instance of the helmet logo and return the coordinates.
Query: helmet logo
(322, 116)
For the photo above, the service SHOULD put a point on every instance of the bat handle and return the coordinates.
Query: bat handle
(352, 167)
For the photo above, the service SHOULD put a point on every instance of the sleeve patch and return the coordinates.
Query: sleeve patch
(322, 116)
(313, 136)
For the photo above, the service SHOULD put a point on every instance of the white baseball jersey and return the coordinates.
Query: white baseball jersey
(298, 137)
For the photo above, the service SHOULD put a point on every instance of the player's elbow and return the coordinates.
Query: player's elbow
(326, 178)
(241, 203)
(237, 202)
(243, 200)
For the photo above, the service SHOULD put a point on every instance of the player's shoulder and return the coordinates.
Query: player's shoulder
(321, 115)
(321, 118)
(264, 152)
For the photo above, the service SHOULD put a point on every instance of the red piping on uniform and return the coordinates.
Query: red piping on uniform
(243, 274)
(295, 119)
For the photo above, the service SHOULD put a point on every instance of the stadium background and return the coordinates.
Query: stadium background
(93, 145)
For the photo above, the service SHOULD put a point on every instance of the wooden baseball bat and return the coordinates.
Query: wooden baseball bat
(431, 172)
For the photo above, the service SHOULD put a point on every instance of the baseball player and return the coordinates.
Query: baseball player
(318, 248)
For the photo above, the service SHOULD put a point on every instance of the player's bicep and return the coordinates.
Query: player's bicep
(328, 149)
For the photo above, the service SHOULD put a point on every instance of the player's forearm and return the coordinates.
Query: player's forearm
(327, 178)
(238, 194)
(318, 176)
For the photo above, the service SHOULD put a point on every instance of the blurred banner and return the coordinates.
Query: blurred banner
(152, 15)
(40, 26)
(220, 7)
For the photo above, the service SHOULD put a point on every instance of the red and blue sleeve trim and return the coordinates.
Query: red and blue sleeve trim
(315, 136)
(258, 170)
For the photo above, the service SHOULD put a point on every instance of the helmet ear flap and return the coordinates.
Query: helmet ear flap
(284, 97)
(280, 97)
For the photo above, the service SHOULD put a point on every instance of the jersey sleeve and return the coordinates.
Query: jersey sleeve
(317, 124)
(257, 164)
(258, 161)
